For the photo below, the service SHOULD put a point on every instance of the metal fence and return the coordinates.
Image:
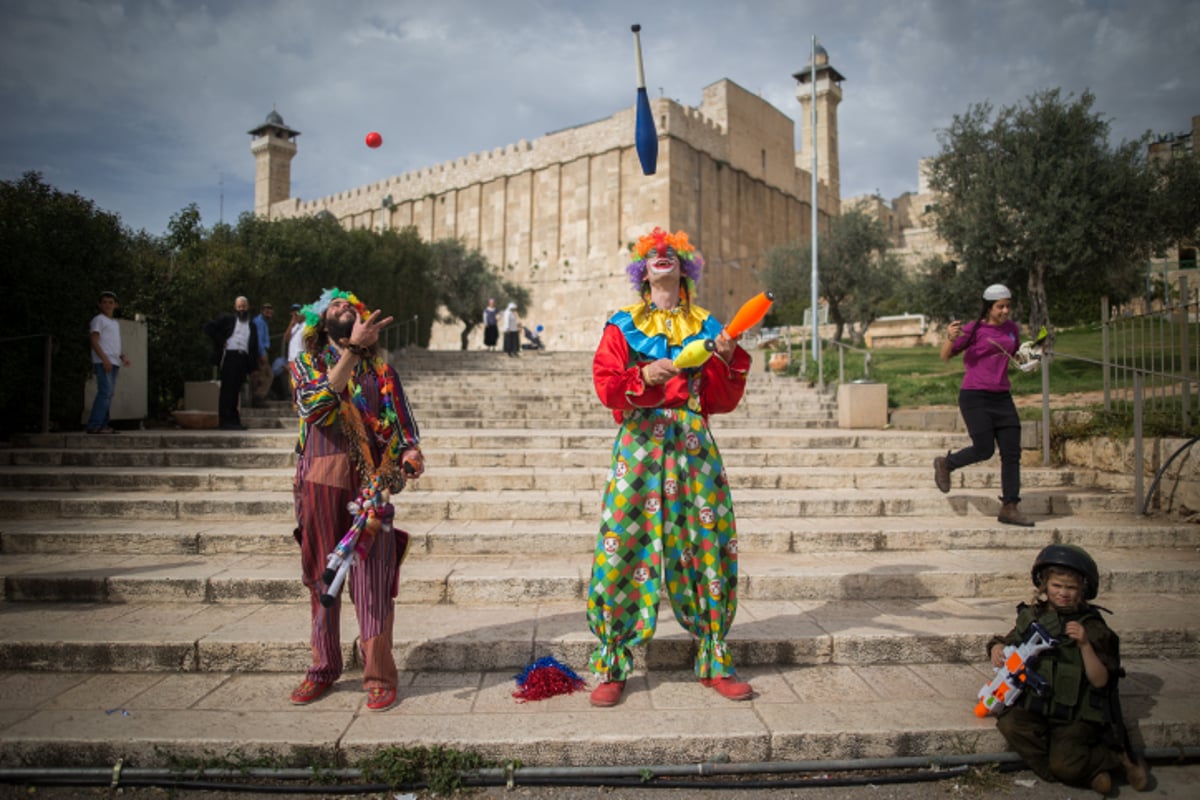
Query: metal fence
(1149, 357)
(1159, 345)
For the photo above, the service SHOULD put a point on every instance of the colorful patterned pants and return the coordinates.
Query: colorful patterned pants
(667, 523)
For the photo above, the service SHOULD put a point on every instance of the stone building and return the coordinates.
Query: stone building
(908, 220)
(558, 213)
(1180, 258)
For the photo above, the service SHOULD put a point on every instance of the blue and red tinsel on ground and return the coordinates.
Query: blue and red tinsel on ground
(544, 678)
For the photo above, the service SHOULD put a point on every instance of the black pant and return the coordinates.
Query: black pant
(991, 419)
(512, 343)
(235, 366)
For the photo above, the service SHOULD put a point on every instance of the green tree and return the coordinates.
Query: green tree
(1178, 208)
(1038, 199)
(856, 275)
(465, 280)
(58, 253)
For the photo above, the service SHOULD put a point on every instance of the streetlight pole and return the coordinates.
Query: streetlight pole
(812, 132)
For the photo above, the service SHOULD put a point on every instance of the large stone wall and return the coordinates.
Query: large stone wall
(558, 213)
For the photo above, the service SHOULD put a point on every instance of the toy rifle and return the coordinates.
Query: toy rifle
(1030, 353)
(1017, 673)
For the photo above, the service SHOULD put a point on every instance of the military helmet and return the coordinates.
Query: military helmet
(1072, 557)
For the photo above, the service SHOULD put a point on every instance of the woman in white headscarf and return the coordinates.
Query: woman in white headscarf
(512, 331)
(985, 399)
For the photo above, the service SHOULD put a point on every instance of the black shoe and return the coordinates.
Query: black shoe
(232, 426)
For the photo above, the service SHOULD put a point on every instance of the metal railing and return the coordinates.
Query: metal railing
(1159, 343)
(842, 347)
(402, 333)
(47, 371)
(1149, 363)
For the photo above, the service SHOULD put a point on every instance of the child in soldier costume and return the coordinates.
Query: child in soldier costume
(1073, 731)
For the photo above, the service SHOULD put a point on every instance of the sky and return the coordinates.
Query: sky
(144, 106)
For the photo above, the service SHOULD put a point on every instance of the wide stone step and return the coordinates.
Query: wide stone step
(273, 637)
(800, 422)
(419, 504)
(497, 579)
(458, 438)
(799, 713)
(759, 473)
(538, 537)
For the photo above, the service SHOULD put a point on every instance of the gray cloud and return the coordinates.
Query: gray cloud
(144, 105)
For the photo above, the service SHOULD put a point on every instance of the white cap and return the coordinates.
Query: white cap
(997, 291)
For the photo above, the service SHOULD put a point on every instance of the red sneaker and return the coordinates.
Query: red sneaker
(729, 687)
(379, 698)
(308, 691)
(608, 693)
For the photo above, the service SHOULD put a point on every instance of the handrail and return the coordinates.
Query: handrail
(398, 333)
(842, 348)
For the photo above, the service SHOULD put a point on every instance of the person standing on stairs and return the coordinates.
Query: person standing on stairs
(667, 517)
(357, 430)
(107, 360)
(235, 350)
(985, 399)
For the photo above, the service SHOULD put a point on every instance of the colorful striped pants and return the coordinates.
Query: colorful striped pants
(667, 523)
(322, 520)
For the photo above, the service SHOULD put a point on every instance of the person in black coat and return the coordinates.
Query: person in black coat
(235, 351)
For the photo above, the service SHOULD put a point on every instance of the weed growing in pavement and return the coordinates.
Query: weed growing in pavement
(439, 768)
(985, 778)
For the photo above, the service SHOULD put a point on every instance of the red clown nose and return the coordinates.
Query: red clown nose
(374, 139)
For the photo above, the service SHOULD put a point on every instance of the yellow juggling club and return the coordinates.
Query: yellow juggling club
(695, 354)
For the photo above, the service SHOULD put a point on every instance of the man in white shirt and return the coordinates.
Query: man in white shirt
(235, 350)
(107, 360)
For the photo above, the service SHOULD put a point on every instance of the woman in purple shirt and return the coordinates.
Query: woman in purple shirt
(985, 399)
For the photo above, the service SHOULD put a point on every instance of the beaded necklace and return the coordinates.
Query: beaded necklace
(385, 423)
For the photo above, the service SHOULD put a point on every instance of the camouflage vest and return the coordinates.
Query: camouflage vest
(1070, 697)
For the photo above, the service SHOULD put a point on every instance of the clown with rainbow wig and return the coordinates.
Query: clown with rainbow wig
(668, 517)
(358, 441)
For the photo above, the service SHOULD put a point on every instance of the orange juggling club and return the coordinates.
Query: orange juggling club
(750, 314)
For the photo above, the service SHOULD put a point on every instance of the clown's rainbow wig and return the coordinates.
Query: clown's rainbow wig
(690, 260)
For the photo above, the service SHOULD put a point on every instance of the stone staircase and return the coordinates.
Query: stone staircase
(152, 606)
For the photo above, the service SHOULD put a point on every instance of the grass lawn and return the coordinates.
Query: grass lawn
(916, 376)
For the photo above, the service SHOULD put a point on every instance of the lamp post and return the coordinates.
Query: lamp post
(813, 290)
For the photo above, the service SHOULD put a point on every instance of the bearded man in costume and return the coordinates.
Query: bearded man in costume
(668, 515)
(358, 437)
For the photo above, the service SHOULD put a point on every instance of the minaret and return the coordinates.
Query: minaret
(829, 94)
(273, 147)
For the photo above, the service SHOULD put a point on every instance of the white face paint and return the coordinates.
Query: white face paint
(652, 504)
(714, 588)
(610, 544)
(661, 264)
(706, 516)
(641, 574)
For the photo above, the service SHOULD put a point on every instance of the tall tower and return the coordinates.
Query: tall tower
(274, 146)
(829, 94)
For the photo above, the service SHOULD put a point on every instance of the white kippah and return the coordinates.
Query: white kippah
(997, 291)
